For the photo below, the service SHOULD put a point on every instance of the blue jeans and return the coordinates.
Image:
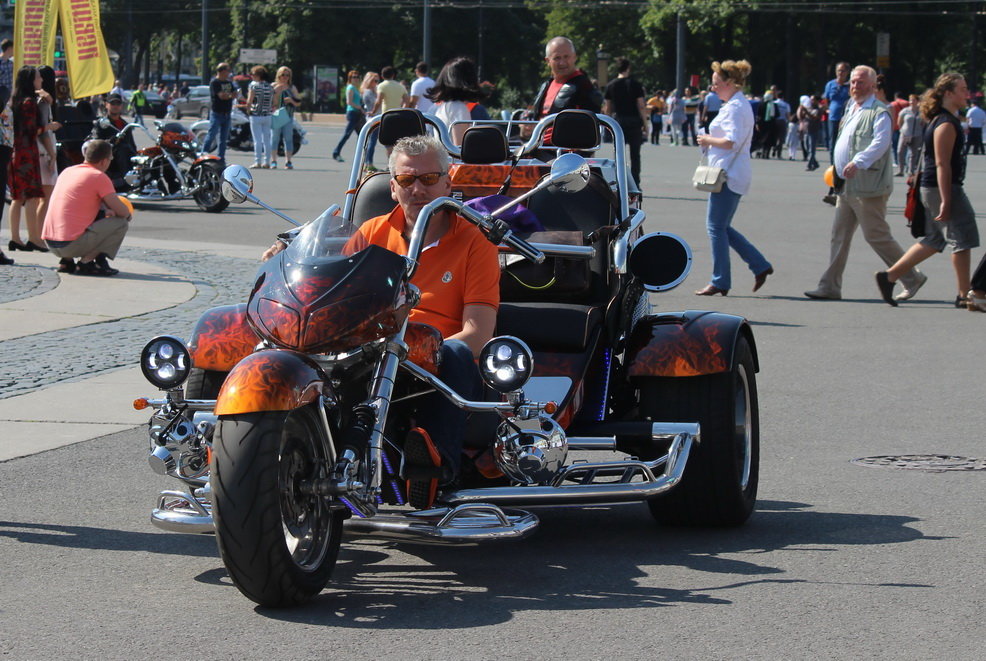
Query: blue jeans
(218, 128)
(445, 422)
(811, 144)
(718, 221)
(285, 132)
(260, 132)
(354, 119)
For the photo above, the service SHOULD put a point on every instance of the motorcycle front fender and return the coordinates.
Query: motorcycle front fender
(271, 380)
(690, 343)
(205, 158)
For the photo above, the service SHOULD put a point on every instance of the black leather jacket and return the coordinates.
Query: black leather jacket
(577, 92)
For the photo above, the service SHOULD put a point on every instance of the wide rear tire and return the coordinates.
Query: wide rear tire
(719, 486)
(279, 546)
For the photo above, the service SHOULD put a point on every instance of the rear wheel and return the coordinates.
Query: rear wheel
(719, 485)
(278, 544)
(210, 194)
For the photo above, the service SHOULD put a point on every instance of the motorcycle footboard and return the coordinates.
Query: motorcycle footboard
(466, 525)
(178, 511)
(598, 483)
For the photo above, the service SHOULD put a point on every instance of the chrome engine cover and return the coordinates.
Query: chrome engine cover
(532, 450)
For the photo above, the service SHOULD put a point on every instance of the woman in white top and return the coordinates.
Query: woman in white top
(727, 146)
(456, 89)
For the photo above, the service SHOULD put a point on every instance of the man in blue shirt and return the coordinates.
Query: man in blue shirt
(837, 94)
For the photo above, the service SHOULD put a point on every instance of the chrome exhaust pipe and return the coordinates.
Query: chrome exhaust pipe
(576, 484)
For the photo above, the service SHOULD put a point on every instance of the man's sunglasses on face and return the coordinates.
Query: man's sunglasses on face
(428, 178)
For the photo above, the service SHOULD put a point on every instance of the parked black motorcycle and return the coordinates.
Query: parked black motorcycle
(173, 168)
(240, 137)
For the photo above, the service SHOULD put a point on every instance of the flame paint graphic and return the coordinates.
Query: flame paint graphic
(478, 180)
(693, 348)
(424, 345)
(272, 380)
(222, 338)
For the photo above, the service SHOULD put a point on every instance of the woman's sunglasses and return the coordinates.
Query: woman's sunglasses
(428, 178)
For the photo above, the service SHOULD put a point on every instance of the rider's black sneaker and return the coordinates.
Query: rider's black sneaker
(422, 468)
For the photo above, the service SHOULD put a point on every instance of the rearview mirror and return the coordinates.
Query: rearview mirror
(237, 183)
(569, 173)
(660, 261)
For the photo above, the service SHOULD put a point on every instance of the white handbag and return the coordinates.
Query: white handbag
(708, 178)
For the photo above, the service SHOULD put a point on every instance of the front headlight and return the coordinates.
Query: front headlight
(165, 362)
(506, 363)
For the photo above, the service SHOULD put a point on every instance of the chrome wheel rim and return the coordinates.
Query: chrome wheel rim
(305, 519)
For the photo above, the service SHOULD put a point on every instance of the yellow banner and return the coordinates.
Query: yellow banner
(34, 32)
(88, 63)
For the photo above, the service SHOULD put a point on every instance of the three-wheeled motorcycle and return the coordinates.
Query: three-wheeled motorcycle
(284, 417)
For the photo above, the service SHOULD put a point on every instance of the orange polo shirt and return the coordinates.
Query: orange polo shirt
(462, 268)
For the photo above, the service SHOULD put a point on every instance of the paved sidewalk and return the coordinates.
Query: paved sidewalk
(70, 343)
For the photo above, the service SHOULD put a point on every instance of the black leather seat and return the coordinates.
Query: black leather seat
(555, 327)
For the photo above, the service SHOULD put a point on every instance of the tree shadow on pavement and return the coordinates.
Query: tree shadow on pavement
(591, 558)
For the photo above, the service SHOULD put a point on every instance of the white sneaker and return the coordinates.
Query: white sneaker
(909, 293)
(254, 165)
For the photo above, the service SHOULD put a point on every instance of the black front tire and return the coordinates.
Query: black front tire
(719, 485)
(204, 384)
(279, 546)
(210, 196)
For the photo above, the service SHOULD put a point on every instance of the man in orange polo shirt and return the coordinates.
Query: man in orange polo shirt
(459, 279)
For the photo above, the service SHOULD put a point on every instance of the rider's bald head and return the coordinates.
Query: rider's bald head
(559, 42)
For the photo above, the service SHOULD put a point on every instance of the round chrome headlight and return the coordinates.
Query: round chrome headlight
(165, 362)
(506, 363)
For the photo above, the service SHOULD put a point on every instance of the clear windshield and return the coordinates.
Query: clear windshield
(324, 237)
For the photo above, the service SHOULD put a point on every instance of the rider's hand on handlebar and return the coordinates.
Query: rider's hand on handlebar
(277, 247)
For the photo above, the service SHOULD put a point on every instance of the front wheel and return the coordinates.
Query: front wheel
(209, 195)
(278, 544)
(719, 486)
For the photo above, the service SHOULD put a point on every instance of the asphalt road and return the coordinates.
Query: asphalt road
(839, 561)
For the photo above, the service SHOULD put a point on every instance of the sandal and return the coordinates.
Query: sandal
(961, 302)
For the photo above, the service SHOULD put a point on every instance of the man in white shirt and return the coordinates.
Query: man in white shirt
(419, 88)
(976, 117)
(863, 161)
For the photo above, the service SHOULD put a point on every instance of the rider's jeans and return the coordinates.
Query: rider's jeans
(260, 130)
(445, 422)
(219, 124)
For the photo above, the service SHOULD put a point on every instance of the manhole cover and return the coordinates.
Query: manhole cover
(924, 462)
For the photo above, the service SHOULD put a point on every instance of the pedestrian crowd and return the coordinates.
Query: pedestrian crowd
(870, 140)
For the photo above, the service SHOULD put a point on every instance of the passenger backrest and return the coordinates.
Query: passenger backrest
(373, 198)
(400, 123)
